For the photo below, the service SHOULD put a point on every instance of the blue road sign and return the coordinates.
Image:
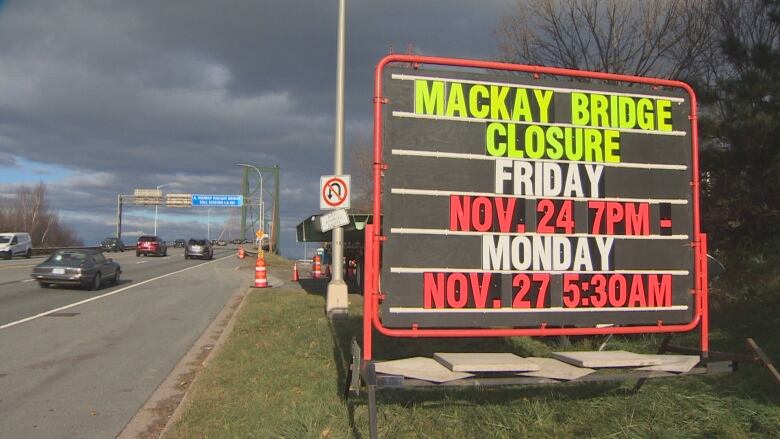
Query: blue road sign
(217, 200)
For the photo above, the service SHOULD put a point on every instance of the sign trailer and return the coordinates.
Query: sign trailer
(543, 202)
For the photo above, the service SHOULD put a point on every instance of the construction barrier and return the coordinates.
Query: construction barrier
(261, 281)
(315, 269)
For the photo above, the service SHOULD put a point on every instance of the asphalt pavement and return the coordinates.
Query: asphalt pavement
(83, 371)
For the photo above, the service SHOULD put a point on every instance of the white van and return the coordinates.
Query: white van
(15, 244)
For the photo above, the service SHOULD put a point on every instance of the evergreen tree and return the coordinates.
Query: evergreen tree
(740, 137)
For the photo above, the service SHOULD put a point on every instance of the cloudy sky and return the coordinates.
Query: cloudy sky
(99, 97)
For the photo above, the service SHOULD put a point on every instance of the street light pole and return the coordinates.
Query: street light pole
(119, 216)
(336, 303)
(155, 207)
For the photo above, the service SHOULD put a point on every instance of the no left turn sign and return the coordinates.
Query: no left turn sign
(334, 192)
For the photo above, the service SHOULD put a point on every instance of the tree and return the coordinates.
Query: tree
(666, 38)
(729, 50)
(740, 128)
(28, 211)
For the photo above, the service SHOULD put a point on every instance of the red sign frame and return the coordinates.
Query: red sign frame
(374, 239)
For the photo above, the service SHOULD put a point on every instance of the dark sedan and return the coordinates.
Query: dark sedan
(198, 248)
(112, 245)
(84, 268)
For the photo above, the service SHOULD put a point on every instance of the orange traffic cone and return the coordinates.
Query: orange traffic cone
(315, 272)
(261, 281)
(295, 273)
(241, 254)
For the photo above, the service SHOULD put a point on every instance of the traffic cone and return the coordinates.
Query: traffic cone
(295, 273)
(261, 281)
(315, 272)
(241, 254)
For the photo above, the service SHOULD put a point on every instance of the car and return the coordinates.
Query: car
(151, 245)
(198, 248)
(15, 244)
(179, 243)
(112, 245)
(236, 241)
(263, 243)
(80, 267)
(221, 243)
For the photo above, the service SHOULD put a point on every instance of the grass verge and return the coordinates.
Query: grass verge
(281, 374)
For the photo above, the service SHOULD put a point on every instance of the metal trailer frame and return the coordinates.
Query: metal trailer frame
(362, 372)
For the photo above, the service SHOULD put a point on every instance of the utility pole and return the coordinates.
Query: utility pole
(336, 302)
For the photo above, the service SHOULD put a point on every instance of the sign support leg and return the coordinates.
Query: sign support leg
(371, 388)
(704, 300)
(368, 310)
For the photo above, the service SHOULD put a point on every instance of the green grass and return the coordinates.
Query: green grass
(282, 371)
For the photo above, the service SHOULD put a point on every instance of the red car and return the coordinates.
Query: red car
(151, 245)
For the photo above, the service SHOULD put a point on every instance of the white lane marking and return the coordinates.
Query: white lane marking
(141, 262)
(110, 293)
(28, 280)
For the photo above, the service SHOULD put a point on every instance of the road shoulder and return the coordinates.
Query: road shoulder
(166, 404)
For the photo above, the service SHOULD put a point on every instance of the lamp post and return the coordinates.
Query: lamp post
(336, 301)
(262, 204)
(156, 205)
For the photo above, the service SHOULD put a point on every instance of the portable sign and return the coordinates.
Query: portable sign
(334, 192)
(520, 201)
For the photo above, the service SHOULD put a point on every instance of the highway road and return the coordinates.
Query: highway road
(85, 370)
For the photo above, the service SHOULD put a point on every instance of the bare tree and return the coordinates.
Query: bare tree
(664, 38)
(27, 211)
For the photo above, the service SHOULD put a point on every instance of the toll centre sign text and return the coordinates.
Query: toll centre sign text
(510, 201)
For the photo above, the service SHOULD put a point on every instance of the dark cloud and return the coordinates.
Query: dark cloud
(129, 94)
(7, 160)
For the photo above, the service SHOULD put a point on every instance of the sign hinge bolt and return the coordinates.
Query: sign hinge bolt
(381, 100)
(382, 238)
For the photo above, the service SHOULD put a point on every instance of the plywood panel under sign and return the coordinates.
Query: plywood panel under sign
(510, 201)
